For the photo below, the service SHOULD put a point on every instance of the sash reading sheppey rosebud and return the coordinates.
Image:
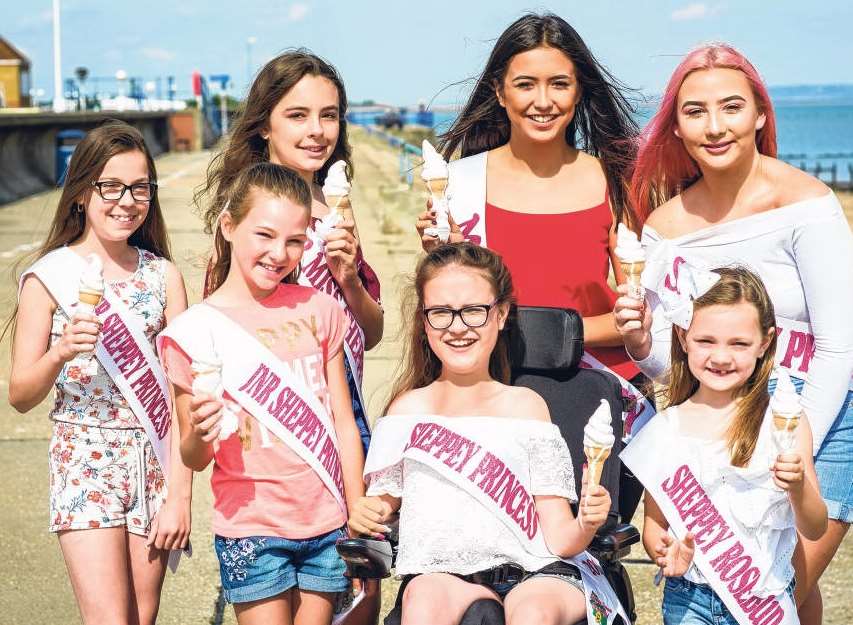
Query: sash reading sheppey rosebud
(471, 452)
(315, 273)
(260, 382)
(123, 351)
(466, 196)
(731, 560)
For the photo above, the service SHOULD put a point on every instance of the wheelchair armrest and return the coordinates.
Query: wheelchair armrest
(614, 542)
(366, 558)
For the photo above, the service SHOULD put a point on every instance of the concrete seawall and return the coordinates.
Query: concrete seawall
(28, 144)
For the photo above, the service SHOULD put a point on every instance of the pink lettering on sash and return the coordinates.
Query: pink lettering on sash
(318, 274)
(671, 281)
(798, 345)
(732, 564)
(123, 349)
(297, 417)
(467, 227)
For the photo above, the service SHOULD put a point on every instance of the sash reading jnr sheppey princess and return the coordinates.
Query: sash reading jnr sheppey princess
(266, 354)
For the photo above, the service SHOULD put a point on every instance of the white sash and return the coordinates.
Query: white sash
(266, 388)
(795, 347)
(466, 196)
(795, 343)
(468, 454)
(123, 351)
(730, 560)
(315, 273)
(122, 348)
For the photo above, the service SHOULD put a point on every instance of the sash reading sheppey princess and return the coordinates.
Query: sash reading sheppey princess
(265, 387)
(122, 349)
(466, 195)
(474, 453)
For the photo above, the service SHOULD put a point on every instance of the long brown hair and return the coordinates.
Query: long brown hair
(91, 155)
(88, 161)
(602, 124)
(419, 365)
(266, 177)
(245, 143)
(736, 285)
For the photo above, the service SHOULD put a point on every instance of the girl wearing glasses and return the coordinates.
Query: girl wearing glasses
(428, 459)
(547, 141)
(109, 468)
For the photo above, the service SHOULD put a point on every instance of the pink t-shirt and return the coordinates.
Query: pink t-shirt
(269, 490)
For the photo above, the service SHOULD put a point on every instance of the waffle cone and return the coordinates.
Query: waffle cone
(785, 422)
(339, 202)
(595, 457)
(633, 270)
(93, 298)
(437, 186)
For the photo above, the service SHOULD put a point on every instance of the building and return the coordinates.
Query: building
(14, 76)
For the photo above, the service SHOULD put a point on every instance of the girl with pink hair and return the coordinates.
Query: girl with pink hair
(711, 192)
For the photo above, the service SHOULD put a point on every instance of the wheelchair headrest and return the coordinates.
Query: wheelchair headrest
(546, 339)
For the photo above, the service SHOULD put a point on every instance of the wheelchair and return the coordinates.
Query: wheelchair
(546, 346)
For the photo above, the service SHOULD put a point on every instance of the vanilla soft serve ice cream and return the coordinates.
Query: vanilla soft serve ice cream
(435, 174)
(632, 259)
(786, 409)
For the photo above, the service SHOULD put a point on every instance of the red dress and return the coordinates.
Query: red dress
(561, 260)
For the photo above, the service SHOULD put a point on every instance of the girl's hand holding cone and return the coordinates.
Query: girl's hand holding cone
(633, 320)
(79, 336)
(594, 504)
(789, 472)
(205, 417)
(342, 252)
(427, 220)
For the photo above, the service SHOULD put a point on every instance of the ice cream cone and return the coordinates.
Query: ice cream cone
(437, 187)
(633, 273)
(92, 298)
(786, 422)
(595, 457)
(340, 203)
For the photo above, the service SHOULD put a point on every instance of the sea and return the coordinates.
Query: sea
(814, 127)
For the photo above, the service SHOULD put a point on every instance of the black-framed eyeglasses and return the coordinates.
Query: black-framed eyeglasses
(474, 316)
(113, 190)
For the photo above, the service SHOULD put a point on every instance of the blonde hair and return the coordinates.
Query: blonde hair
(274, 179)
(736, 285)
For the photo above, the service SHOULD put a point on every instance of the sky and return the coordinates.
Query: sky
(406, 52)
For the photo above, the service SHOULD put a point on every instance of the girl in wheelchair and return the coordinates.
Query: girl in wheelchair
(480, 476)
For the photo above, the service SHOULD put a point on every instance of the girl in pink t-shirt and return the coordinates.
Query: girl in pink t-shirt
(275, 519)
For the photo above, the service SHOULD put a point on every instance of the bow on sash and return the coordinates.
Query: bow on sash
(677, 282)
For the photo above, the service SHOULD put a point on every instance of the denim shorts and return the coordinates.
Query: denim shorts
(688, 603)
(259, 567)
(834, 460)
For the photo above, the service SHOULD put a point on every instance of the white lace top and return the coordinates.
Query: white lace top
(750, 497)
(445, 529)
(804, 254)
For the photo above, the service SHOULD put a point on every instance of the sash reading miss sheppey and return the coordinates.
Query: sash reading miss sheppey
(466, 194)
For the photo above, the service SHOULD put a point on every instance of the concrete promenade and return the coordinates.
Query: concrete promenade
(34, 587)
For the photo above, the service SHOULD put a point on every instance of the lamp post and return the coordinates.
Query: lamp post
(58, 94)
(249, 43)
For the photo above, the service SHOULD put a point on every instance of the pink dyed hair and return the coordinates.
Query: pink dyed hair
(664, 168)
